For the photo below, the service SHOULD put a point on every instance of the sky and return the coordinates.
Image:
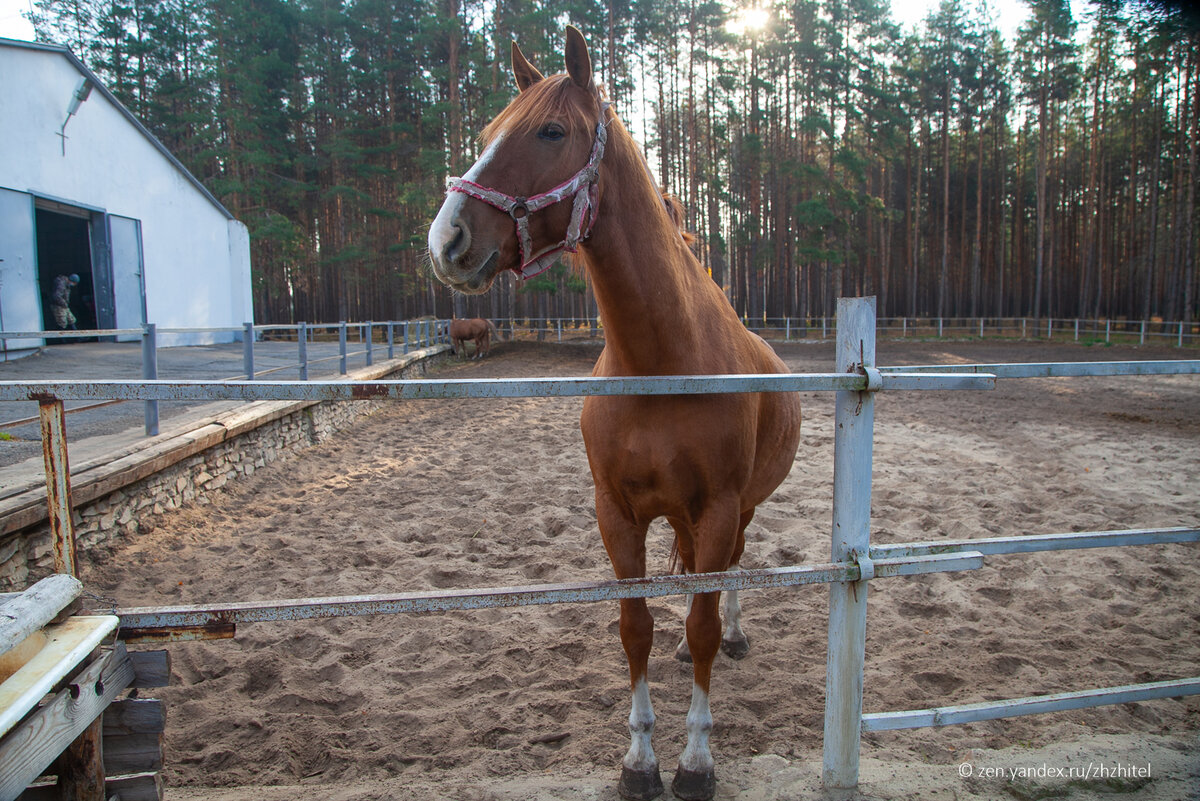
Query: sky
(12, 26)
(1009, 15)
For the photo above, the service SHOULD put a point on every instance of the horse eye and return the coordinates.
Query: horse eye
(551, 132)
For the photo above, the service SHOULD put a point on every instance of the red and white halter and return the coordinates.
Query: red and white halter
(583, 186)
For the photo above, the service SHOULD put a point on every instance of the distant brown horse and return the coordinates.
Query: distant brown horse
(704, 462)
(477, 330)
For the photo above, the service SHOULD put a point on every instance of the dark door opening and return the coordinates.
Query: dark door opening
(63, 249)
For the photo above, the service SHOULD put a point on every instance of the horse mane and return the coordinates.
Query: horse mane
(548, 98)
(554, 97)
(676, 212)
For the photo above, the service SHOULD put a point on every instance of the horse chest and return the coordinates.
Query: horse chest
(666, 454)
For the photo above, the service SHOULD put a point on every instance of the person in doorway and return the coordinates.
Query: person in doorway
(60, 300)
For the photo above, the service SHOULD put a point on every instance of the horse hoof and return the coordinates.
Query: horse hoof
(691, 785)
(683, 655)
(735, 649)
(640, 785)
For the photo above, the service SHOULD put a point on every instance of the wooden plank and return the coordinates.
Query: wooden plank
(141, 787)
(81, 766)
(58, 484)
(133, 731)
(32, 609)
(151, 668)
(135, 753)
(135, 716)
(68, 644)
(31, 746)
(144, 787)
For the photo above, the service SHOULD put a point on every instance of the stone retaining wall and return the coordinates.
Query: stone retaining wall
(129, 498)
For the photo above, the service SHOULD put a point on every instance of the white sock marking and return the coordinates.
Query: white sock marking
(696, 756)
(641, 729)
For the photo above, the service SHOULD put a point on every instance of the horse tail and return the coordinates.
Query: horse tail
(673, 565)
(494, 331)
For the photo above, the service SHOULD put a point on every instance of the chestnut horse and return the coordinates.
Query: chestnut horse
(701, 461)
(477, 330)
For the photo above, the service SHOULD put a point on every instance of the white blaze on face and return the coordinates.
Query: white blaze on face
(445, 226)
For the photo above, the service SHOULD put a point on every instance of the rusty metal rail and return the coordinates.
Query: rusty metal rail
(217, 621)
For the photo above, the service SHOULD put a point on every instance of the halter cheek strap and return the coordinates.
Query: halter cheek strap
(582, 186)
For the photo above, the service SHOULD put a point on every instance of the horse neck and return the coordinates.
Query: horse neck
(656, 302)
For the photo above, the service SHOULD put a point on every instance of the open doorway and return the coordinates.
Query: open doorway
(64, 248)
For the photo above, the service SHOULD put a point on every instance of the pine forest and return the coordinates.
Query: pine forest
(820, 149)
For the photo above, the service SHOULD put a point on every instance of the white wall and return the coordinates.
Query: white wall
(197, 261)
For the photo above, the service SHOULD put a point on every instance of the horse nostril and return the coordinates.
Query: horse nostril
(458, 243)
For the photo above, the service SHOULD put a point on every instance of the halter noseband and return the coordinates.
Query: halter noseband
(583, 186)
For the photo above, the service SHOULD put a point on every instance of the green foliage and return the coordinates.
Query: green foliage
(823, 151)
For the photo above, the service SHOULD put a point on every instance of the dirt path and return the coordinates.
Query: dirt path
(532, 703)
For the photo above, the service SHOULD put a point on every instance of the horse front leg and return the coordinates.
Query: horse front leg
(695, 776)
(717, 537)
(640, 777)
(626, 545)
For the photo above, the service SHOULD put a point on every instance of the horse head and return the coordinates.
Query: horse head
(534, 192)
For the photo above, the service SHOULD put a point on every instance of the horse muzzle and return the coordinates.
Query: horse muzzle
(456, 262)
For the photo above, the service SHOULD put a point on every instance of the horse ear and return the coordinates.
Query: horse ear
(525, 73)
(579, 63)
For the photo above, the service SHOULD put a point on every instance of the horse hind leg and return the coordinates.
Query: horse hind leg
(681, 651)
(734, 642)
(682, 540)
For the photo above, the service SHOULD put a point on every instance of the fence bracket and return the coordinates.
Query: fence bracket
(874, 378)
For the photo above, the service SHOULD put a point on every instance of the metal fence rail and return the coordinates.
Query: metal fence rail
(1175, 333)
(154, 623)
(1034, 705)
(1061, 369)
(415, 333)
(855, 561)
(422, 389)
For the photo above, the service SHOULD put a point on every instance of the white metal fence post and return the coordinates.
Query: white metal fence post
(342, 347)
(302, 346)
(150, 372)
(854, 421)
(248, 350)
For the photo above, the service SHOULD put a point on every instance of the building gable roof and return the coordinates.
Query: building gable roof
(99, 86)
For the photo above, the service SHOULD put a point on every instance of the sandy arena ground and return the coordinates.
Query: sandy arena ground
(532, 703)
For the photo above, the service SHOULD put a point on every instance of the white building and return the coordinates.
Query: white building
(86, 189)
